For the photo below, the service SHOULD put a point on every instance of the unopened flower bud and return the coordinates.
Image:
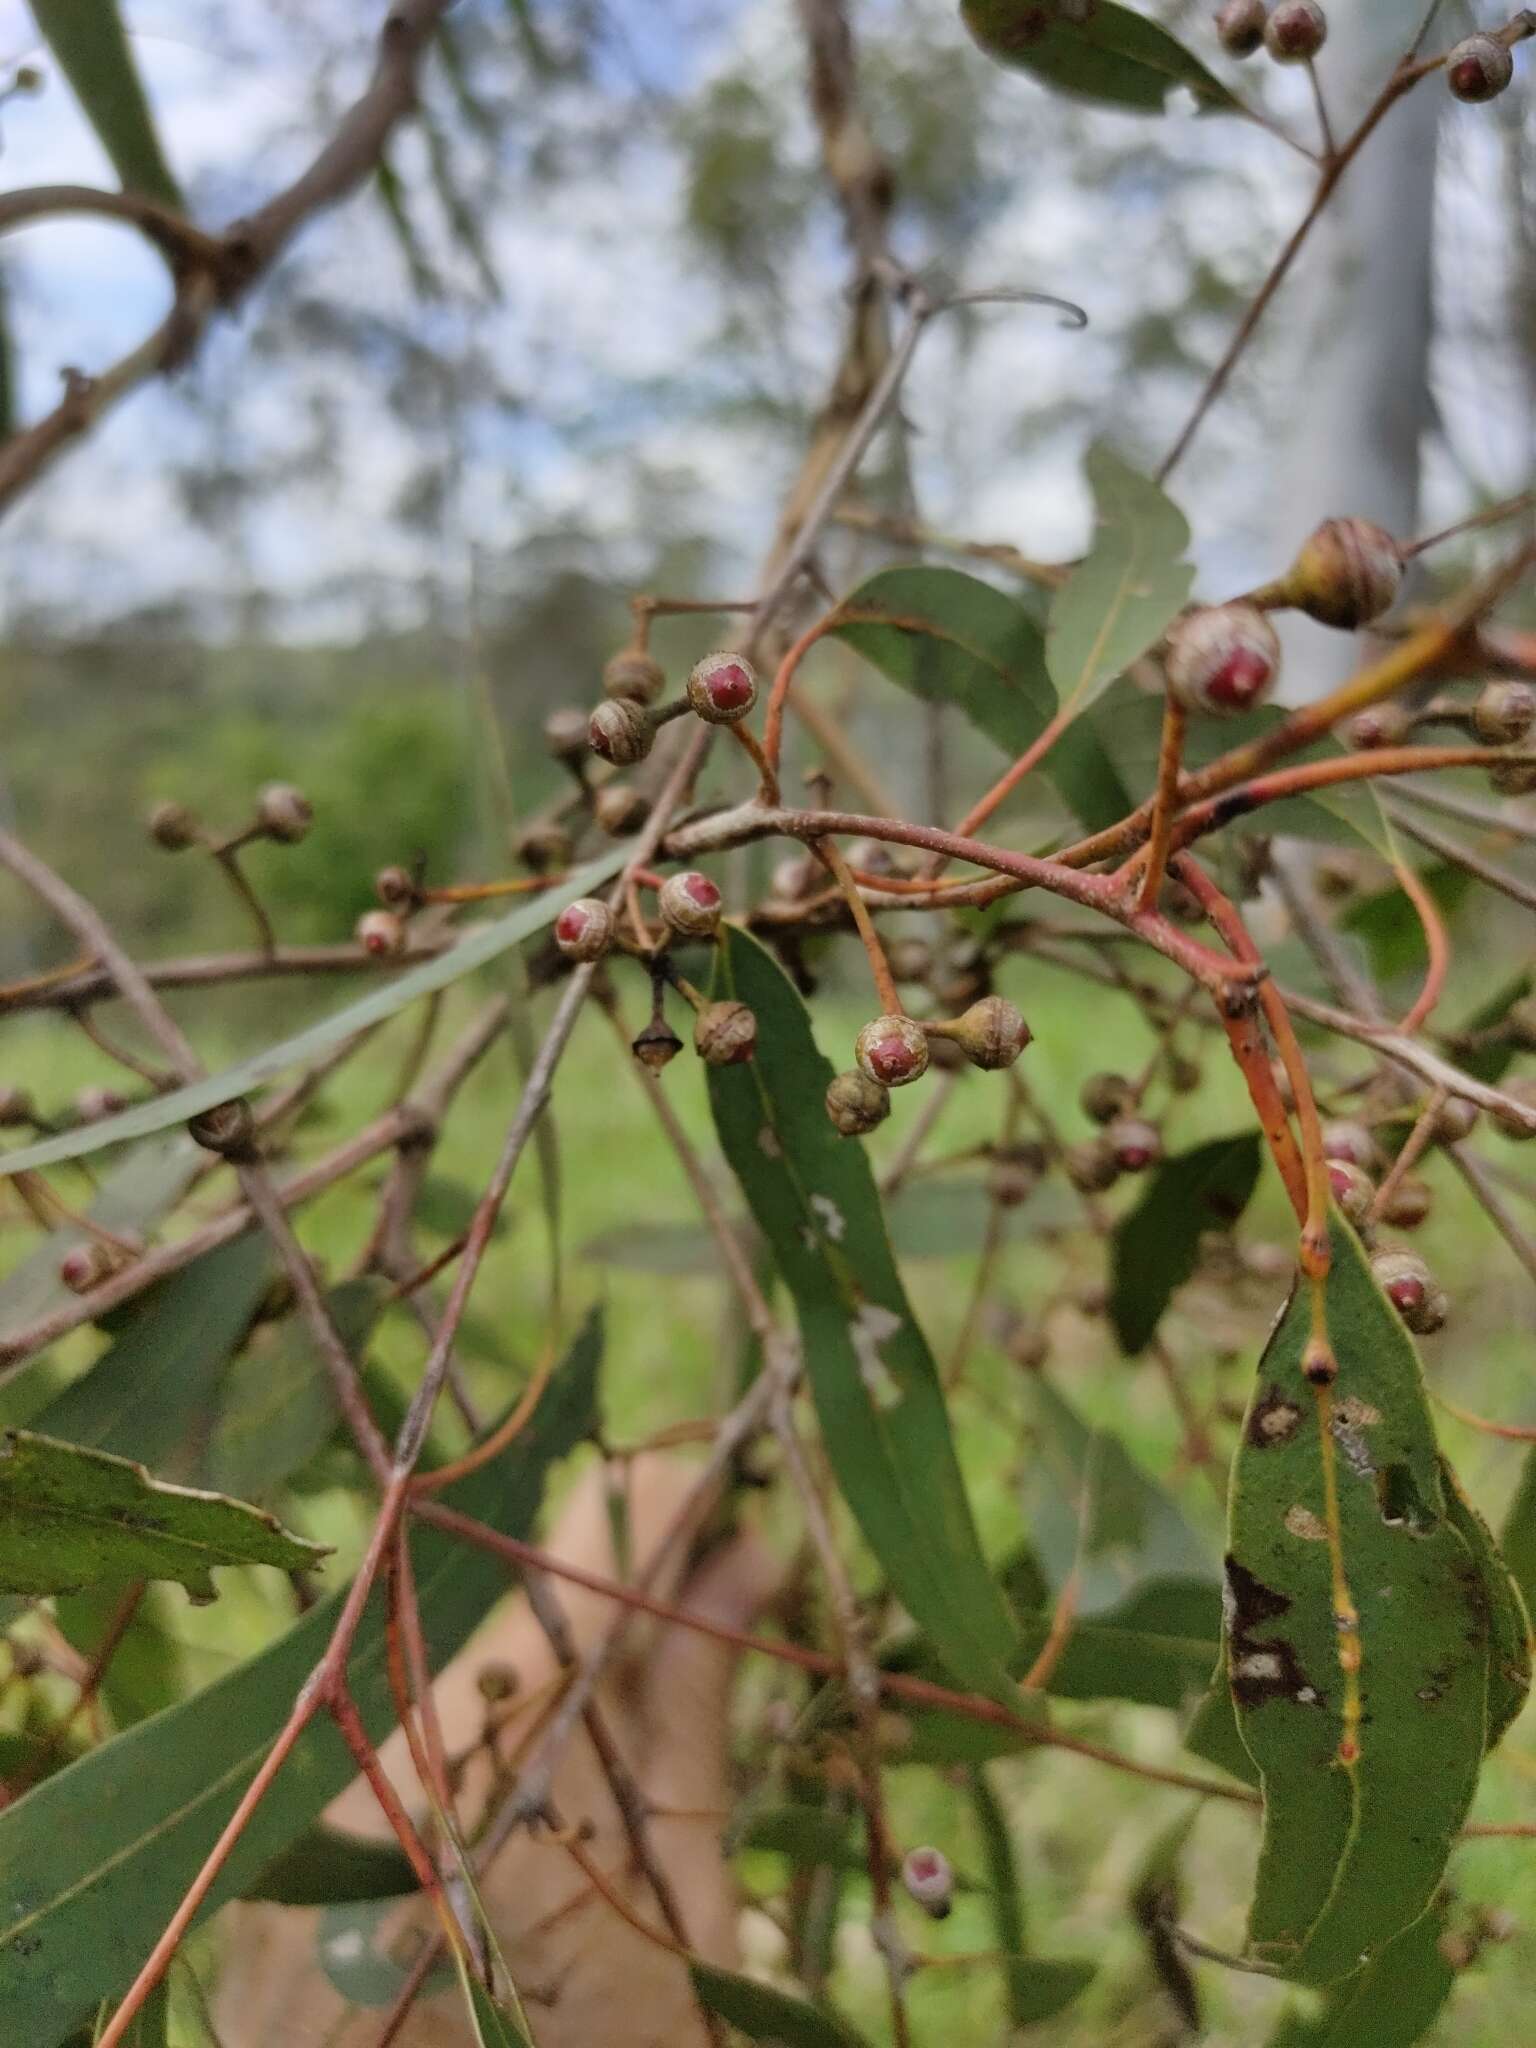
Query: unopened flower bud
(929, 1880)
(92, 1104)
(544, 845)
(1223, 658)
(1381, 725)
(565, 734)
(910, 959)
(1353, 1189)
(1240, 26)
(1504, 711)
(892, 1050)
(1412, 1290)
(85, 1266)
(1523, 1089)
(1348, 572)
(725, 1034)
(856, 1103)
(173, 826)
(619, 809)
(991, 1033)
(1343, 1139)
(284, 813)
(395, 889)
(1512, 777)
(584, 929)
(1479, 68)
(621, 730)
(228, 1128)
(496, 1682)
(381, 934)
(1016, 1173)
(722, 688)
(15, 1106)
(1455, 1120)
(689, 904)
(1295, 31)
(1092, 1166)
(657, 1045)
(635, 675)
(1106, 1096)
(1408, 1204)
(1135, 1143)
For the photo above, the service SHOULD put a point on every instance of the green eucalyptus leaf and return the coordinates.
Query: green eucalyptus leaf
(1128, 588)
(1352, 1852)
(873, 1378)
(1094, 50)
(1392, 2003)
(147, 1669)
(769, 2016)
(953, 639)
(1509, 1623)
(481, 944)
(1039, 1987)
(73, 1517)
(493, 2024)
(88, 44)
(1156, 1244)
(96, 1859)
(326, 1867)
(1036, 1987)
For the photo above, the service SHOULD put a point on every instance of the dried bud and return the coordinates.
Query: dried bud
(28, 79)
(991, 1033)
(565, 735)
(1504, 712)
(1523, 1089)
(1455, 1121)
(1353, 1189)
(544, 845)
(635, 675)
(497, 1682)
(1347, 573)
(725, 1034)
(1092, 1166)
(1412, 1290)
(1222, 658)
(1240, 26)
(722, 688)
(395, 889)
(584, 929)
(1479, 68)
(1295, 31)
(228, 1128)
(1350, 1141)
(15, 1106)
(1515, 777)
(910, 959)
(1185, 1075)
(929, 1880)
(657, 1046)
(173, 827)
(1016, 1173)
(689, 904)
(892, 1049)
(621, 731)
(856, 1104)
(85, 1266)
(1382, 725)
(381, 934)
(620, 809)
(1135, 1143)
(1028, 1345)
(1408, 1204)
(1106, 1096)
(284, 813)
(92, 1104)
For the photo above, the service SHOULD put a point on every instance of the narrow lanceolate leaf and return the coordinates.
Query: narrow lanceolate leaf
(493, 2024)
(1128, 588)
(1035, 1987)
(1156, 1244)
(1352, 1852)
(770, 2016)
(953, 639)
(484, 943)
(873, 1377)
(1509, 1622)
(71, 1517)
(1097, 52)
(1518, 1540)
(1392, 2003)
(94, 1861)
(88, 43)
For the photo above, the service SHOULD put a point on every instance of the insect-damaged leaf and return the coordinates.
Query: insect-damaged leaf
(1352, 1854)
(873, 1377)
(72, 1517)
(1127, 589)
(1156, 1244)
(952, 639)
(1097, 52)
(1391, 2003)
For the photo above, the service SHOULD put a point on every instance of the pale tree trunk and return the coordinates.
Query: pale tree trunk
(1360, 323)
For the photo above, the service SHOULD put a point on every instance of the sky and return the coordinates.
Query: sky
(608, 339)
